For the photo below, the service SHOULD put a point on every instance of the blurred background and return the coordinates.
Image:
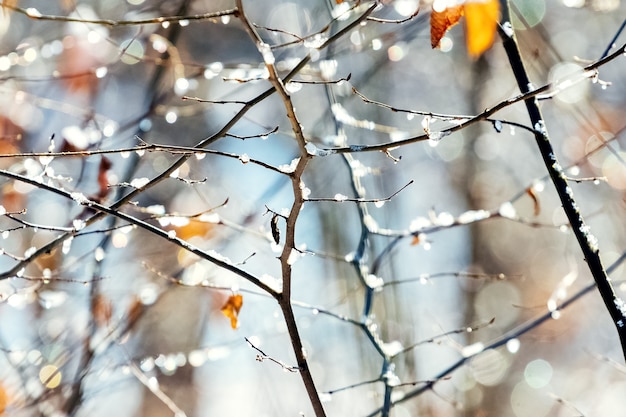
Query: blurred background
(119, 321)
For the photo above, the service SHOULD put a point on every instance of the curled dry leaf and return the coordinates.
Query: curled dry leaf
(441, 21)
(275, 229)
(533, 195)
(231, 309)
(481, 23)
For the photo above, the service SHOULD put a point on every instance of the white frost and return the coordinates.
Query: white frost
(294, 255)
(508, 29)
(306, 191)
(67, 245)
(419, 223)
(274, 283)
(374, 282)
(157, 209)
(390, 377)
(139, 182)
(210, 218)
(33, 12)
(540, 127)
(79, 224)
(445, 219)
(472, 349)
(266, 52)
(79, 198)
(289, 168)
(621, 306)
(219, 257)
(435, 137)
(392, 348)
(370, 223)
(316, 41)
(176, 221)
(507, 210)
(472, 216)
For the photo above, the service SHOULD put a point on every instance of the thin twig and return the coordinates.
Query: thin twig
(84, 201)
(262, 356)
(35, 14)
(153, 385)
(339, 198)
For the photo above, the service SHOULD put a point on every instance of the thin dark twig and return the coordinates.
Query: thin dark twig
(262, 356)
(611, 44)
(356, 385)
(341, 198)
(503, 339)
(467, 329)
(398, 21)
(527, 94)
(84, 201)
(34, 14)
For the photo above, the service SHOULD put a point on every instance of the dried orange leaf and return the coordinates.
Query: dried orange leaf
(481, 19)
(195, 228)
(4, 399)
(441, 21)
(232, 307)
(533, 195)
(416, 240)
(8, 5)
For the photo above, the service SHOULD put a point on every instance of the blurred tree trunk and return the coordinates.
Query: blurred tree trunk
(180, 314)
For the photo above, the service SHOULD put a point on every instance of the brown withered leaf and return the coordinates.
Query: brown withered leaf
(441, 21)
(231, 309)
(102, 310)
(76, 65)
(103, 182)
(135, 310)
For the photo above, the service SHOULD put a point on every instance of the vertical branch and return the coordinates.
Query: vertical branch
(284, 299)
(587, 242)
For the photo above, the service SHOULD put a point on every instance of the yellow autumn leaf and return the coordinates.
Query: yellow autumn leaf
(232, 307)
(481, 23)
